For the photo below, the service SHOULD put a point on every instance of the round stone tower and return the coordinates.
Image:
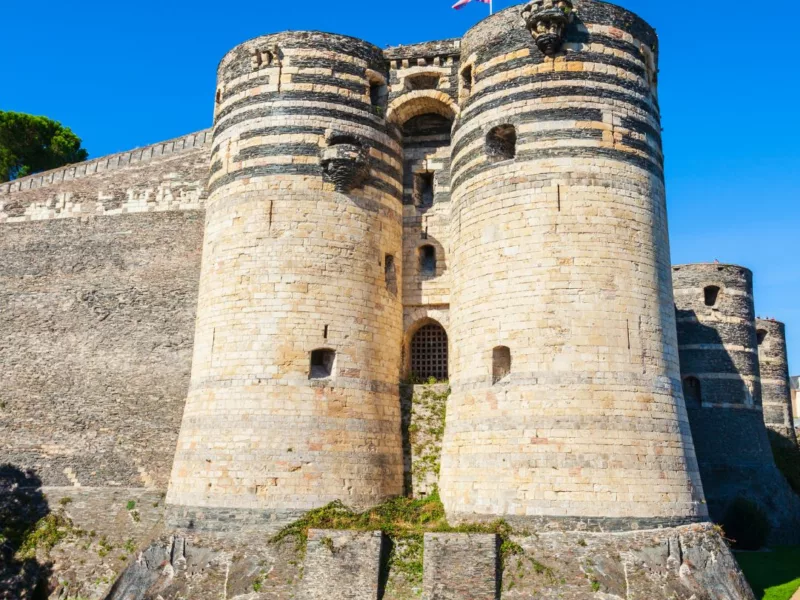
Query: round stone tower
(294, 399)
(566, 398)
(717, 336)
(722, 385)
(775, 389)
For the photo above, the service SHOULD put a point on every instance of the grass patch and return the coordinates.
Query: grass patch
(772, 575)
(405, 520)
(46, 534)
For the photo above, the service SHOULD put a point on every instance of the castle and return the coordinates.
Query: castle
(488, 210)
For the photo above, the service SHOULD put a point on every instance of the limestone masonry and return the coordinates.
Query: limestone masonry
(234, 317)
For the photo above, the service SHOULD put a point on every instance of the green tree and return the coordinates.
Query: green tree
(30, 144)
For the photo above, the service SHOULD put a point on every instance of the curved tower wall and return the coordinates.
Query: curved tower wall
(719, 349)
(561, 255)
(718, 340)
(775, 388)
(294, 261)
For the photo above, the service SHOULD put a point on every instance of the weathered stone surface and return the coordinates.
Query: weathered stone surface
(343, 565)
(167, 176)
(686, 563)
(460, 566)
(96, 332)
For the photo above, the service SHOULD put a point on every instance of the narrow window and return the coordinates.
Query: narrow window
(219, 96)
(427, 260)
(390, 272)
(423, 189)
(711, 295)
(501, 363)
(321, 363)
(692, 392)
(501, 143)
(261, 58)
(466, 80)
(378, 91)
(343, 139)
(762, 335)
(375, 94)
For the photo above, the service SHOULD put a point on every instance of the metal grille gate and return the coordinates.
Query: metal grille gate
(429, 353)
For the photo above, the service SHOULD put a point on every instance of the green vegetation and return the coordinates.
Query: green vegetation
(328, 543)
(30, 144)
(104, 548)
(405, 520)
(415, 379)
(131, 504)
(47, 532)
(773, 575)
(429, 410)
(787, 457)
(746, 525)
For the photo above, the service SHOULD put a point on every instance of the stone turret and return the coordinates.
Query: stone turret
(775, 388)
(294, 399)
(723, 389)
(566, 399)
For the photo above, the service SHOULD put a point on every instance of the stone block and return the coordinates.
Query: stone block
(460, 566)
(342, 565)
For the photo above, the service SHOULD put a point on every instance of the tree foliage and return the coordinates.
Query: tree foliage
(31, 144)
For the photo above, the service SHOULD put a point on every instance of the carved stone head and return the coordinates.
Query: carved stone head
(345, 162)
(547, 20)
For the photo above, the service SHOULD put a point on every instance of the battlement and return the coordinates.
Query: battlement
(110, 162)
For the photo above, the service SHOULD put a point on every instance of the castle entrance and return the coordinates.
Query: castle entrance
(429, 353)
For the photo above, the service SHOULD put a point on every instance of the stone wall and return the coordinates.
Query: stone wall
(96, 333)
(166, 176)
(560, 258)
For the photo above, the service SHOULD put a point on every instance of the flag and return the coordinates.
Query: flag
(462, 3)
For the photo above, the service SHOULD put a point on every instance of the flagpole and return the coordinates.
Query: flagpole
(491, 7)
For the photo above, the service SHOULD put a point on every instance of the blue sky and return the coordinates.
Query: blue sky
(123, 75)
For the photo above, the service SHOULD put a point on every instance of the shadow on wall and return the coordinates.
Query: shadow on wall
(736, 459)
(700, 360)
(22, 506)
